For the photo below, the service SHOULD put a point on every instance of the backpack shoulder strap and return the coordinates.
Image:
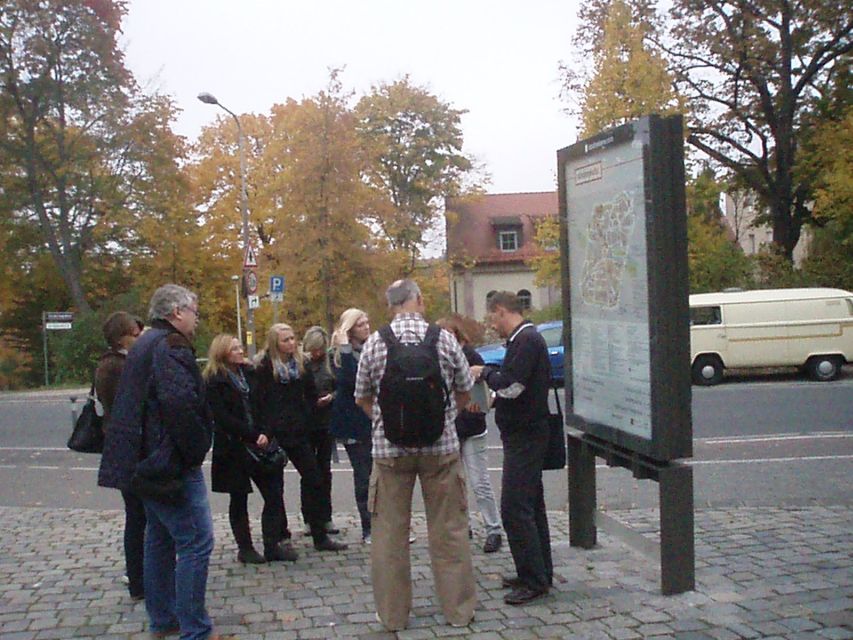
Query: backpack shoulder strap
(433, 333)
(387, 335)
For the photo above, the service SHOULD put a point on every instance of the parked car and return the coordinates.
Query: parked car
(553, 334)
(807, 328)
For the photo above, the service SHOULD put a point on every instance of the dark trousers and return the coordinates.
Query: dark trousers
(273, 518)
(523, 503)
(315, 502)
(321, 444)
(134, 542)
(361, 459)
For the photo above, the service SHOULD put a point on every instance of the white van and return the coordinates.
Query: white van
(807, 328)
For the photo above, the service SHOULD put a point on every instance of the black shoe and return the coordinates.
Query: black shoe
(327, 544)
(282, 552)
(331, 529)
(137, 597)
(250, 556)
(511, 582)
(493, 543)
(523, 595)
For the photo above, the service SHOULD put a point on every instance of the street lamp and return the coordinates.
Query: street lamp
(209, 98)
(236, 281)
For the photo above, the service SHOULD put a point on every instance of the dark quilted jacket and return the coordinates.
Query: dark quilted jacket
(348, 420)
(161, 393)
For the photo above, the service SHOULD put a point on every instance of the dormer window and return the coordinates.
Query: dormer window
(508, 240)
(507, 232)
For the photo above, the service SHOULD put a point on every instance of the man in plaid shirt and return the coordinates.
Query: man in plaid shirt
(439, 468)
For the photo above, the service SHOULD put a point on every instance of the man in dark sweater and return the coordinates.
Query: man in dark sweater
(521, 412)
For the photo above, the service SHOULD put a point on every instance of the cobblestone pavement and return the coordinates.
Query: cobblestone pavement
(761, 573)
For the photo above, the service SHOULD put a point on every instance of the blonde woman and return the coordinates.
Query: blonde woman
(229, 381)
(348, 422)
(282, 400)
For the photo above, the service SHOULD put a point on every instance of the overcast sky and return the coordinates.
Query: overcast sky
(497, 59)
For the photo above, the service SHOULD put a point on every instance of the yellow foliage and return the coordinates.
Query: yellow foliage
(630, 79)
(547, 265)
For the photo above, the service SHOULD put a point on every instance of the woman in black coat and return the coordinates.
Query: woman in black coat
(282, 398)
(228, 394)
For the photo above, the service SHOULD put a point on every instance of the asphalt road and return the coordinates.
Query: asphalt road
(770, 440)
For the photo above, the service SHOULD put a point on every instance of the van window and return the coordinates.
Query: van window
(705, 315)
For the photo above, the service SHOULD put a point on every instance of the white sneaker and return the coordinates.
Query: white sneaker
(125, 580)
(366, 540)
(412, 538)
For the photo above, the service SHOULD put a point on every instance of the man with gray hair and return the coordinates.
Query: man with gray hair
(160, 432)
(433, 459)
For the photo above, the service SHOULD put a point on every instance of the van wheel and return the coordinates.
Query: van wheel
(824, 368)
(707, 370)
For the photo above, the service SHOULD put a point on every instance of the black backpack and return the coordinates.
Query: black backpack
(412, 392)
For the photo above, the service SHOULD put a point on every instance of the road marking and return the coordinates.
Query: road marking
(694, 463)
(824, 435)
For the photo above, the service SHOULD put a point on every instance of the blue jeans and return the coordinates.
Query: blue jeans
(474, 458)
(175, 590)
(361, 459)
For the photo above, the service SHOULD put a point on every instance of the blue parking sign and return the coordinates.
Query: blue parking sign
(276, 284)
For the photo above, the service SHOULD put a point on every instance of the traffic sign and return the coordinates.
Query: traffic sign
(58, 320)
(251, 278)
(251, 259)
(276, 297)
(58, 316)
(254, 302)
(276, 284)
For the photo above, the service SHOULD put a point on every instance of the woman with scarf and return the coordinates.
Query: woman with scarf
(228, 393)
(282, 399)
(348, 422)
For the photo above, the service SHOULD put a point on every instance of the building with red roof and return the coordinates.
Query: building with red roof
(490, 239)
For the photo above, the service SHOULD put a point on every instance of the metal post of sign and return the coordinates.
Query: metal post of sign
(44, 339)
(236, 280)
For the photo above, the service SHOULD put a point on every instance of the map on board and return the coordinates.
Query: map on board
(607, 251)
(609, 288)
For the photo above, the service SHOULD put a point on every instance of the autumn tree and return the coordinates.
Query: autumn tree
(308, 203)
(547, 264)
(415, 141)
(630, 78)
(750, 70)
(627, 77)
(65, 95)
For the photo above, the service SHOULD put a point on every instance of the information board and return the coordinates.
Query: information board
(625, 287)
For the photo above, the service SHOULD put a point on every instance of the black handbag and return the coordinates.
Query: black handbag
(555, 454)
(88, 433)
(269, 459)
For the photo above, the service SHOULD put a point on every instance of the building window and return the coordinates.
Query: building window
(525, 299)
(508, 240)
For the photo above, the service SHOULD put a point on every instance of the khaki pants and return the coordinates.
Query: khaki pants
(390, 502)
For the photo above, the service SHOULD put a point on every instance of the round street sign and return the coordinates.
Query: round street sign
(251, 282)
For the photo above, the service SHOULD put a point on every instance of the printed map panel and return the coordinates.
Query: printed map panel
(609, 288)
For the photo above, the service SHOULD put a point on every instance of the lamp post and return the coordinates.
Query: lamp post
(209, 98)
(236, 281)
